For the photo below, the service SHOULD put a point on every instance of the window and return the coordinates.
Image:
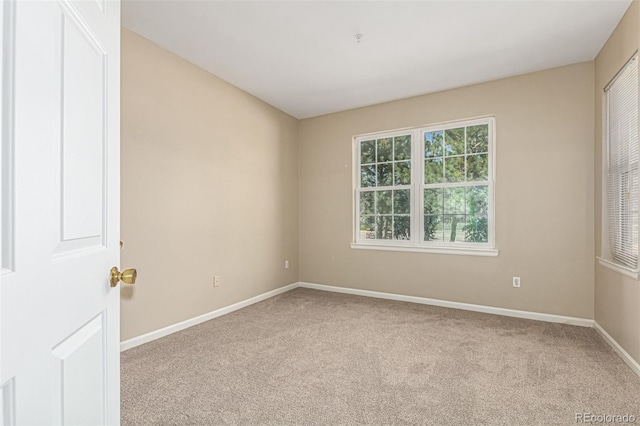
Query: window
(620, 164)
(426, 189)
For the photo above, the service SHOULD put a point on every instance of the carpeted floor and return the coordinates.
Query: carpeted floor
(309, 357)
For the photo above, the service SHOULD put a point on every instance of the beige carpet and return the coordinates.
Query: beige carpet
(309, 357)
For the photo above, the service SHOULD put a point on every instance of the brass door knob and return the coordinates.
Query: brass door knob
(128, 276)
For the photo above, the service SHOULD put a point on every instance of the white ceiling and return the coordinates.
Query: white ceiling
(302, 56)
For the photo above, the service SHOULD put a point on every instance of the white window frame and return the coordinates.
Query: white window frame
(358, 189)
(606, 258)
(417, 187)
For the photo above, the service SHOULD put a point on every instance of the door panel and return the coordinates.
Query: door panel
(7, 404)
(81, 366)
(59, 316)
(101, 5)
(83, 115)
(80, 178)
(6, 140)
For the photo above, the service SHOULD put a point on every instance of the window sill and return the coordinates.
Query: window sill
(464, 251)
(631, 273)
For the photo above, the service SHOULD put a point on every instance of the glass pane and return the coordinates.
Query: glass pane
(433, 170)
(385, 148)
(385, 174)
(454, 228)
(368, 175)
(454, 141)
(402, 201)
(402, 147)
(383, 202)
(433, 201)
(433, 228)
(478, 139)
(368, 152)
(368, 227)
(477, 167)
(433, 144)
(454, 200)
(401, 228)
(478, 200)
(454, 169)
(367, 202)
(402, 172)
(477, 229)
(383, 230)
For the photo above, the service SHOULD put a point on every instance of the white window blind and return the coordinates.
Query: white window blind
(622, 165)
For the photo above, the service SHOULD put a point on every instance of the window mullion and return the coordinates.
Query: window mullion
(416, 180)
(358, 185)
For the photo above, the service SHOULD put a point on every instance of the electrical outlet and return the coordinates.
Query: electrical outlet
(216, 281)
(516, 282)
(286, 264)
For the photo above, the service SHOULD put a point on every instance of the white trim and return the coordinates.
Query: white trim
(148, 337)
(582, 322)
(8, 402)
(628, 359)
(7, 140)
(606, 258)
(631, 273)
(466, 251)
(418, 186)
(358, 188)
(624, 67)
(439, 124)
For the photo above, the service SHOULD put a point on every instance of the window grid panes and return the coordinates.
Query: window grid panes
(456, 194)
(385, 192)
(431, 186)
(457, 214)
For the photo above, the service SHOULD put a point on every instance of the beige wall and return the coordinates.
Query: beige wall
(209, 187)
(544, 197)
(617, 298)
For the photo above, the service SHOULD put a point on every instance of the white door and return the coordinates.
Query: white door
(59, 321)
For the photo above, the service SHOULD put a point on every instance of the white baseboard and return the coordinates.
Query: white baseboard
(583, 322)
(628, 359)
(137, 341)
